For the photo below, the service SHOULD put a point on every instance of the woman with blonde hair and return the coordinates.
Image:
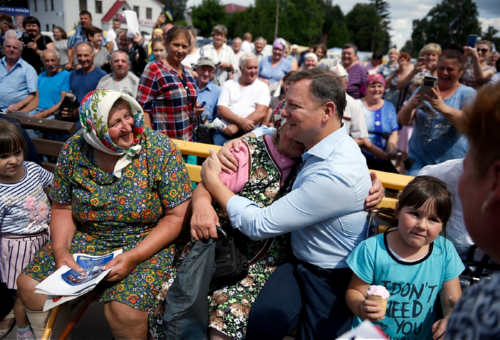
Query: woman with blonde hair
(426, 65)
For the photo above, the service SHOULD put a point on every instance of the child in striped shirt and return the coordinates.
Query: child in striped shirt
(24, 213)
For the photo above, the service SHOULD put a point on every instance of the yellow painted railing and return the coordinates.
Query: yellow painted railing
(389, 180)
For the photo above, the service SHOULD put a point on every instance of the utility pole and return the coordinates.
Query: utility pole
(277, 19)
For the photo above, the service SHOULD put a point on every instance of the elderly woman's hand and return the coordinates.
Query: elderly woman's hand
(211, 168)
(64, 258)
(204, 221)
(120, 266)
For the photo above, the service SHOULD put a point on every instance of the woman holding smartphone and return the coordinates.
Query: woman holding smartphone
(435, 112)
(478, 72)
(426, 66)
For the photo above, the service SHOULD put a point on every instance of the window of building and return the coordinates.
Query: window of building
(45, 5)
(35, 7)
(83, 5)
(52, 5)
(98, 6)
(47, 27)
(149, 13)
(136, 10)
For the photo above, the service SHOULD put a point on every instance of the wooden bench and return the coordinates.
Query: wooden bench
(389, 180)
(46, 147)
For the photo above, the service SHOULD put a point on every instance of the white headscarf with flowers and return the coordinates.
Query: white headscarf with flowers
(94, 114)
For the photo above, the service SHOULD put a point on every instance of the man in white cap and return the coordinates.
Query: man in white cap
(208, 93)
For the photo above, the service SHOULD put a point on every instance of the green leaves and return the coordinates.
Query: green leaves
(448, 24)
(207, 15)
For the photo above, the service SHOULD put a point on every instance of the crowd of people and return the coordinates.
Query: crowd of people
(300, 132)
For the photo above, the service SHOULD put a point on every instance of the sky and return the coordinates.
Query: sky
(403, 12)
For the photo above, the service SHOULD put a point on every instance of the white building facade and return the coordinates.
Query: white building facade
(65, 13)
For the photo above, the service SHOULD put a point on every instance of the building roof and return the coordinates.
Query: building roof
(234, 8)
(112, 11)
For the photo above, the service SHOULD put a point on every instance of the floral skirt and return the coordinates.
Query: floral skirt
(229, 307)
(139, 290)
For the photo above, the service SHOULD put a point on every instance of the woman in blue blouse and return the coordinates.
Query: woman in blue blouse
(435, 115)
(273, 68)
(382, 124)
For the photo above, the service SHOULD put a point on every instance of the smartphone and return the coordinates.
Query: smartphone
(70, 103)
(471, 40)
(428, 84)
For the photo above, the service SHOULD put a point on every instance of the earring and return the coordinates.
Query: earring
(486, 204)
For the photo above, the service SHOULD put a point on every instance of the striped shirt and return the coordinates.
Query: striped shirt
(168, 99)
(24, 206)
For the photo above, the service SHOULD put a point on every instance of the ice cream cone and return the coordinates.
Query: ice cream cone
(378, 294)
(382, 302)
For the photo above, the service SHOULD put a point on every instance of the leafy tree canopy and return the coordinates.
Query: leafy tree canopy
(366, 28)
(448, 24)
(208, 14)
(176, 7)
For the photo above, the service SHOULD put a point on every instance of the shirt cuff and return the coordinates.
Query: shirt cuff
(235, 207)
(264, 130)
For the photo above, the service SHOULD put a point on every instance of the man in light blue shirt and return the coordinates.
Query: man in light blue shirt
(323, 212)
(18, 79)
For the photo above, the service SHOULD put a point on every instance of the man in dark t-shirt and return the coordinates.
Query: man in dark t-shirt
(34, 43)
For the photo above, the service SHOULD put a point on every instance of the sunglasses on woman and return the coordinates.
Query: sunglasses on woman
(482, 50)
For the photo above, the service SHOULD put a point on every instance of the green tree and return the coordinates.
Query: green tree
(241, 22)
(366, 29)
(301, 21)
(208, 14)
(176, 7)
(263, 19)
(382, 8)
(491, 34)
(336, 27)
(448, 23)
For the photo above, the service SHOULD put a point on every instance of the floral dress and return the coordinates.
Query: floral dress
(112, 213)
(229, 307)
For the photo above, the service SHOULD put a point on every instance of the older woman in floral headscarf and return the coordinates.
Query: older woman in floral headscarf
(116, 185)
